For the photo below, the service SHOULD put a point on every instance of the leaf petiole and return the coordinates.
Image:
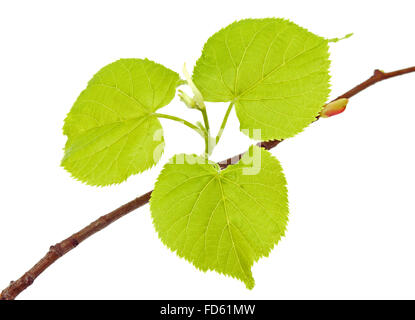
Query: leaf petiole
(208, 147)
(225, 120)
(185, 122)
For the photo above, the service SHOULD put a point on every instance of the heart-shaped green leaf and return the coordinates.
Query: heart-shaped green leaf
(221, 220)
(275, 72)
(112, 131)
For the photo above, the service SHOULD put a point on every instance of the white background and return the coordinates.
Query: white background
(351, 177)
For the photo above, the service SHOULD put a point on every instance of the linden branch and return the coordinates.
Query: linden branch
(60, 249)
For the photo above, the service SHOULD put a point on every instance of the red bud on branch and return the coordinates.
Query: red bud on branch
(333, 108)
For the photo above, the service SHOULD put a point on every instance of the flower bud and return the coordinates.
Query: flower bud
(189, 102)
(198, 98)
(333, 108)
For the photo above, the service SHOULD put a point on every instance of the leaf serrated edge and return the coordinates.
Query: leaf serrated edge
(199, 62)
(249, 283)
